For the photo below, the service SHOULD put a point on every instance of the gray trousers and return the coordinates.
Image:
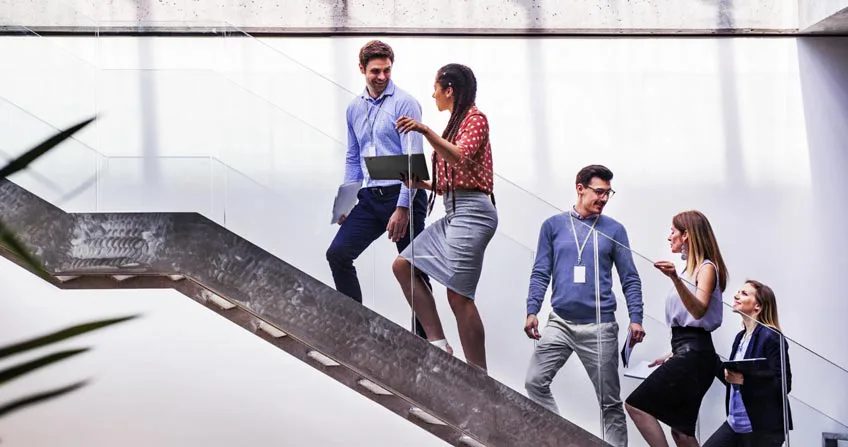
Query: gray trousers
(559, 339)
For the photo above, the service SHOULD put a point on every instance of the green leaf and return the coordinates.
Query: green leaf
(24, 160)
(38, 397)
(58, 336)
(28, 367)
(11, 242)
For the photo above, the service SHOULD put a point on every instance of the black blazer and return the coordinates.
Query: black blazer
(762, 392)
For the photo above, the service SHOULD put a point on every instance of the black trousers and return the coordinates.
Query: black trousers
(726, 437)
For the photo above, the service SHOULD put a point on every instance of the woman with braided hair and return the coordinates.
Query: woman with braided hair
(451, 249)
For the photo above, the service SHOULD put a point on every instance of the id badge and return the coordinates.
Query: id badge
(370, 150)
(579, 274)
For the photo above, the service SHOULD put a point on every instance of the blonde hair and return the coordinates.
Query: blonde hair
(702, 243)
(768, 304)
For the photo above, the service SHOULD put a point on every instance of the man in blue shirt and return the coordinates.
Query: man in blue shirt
(566, 257)
(383, 204)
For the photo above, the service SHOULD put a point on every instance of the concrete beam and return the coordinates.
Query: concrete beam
(412, 16)
(823, 16)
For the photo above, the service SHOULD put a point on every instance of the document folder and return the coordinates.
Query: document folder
(746, 365)
(345, 200)
(393, 167)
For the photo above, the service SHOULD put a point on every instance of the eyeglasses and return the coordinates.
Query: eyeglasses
(601, 192)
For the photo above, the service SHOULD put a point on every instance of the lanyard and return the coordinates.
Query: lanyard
(743, 346)
(371, 122)
(585, 240)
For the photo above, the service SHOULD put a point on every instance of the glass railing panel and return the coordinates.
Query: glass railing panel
(291, 219)
(163, 184)
(263, 69)
(65, 176)
(204, 49)
(81, 41)
(48, 84)
(199, 112)
(816, 401)
(816, 380)
(810, 423)
(179, 112)
(44, 77)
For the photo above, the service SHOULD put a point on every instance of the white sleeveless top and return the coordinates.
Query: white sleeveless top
(677, 315)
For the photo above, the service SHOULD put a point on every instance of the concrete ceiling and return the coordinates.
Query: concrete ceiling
(435, 16)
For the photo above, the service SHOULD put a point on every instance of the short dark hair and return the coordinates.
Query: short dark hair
(375, 49)
(586, 174)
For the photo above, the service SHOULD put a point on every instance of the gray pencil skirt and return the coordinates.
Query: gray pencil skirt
(451, 249)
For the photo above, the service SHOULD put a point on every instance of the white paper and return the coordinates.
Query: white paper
(640, 371)
(345, 200)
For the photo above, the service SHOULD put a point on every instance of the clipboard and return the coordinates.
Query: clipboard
(746, 365)
(627, 349)
(392, 167)
(345, 200)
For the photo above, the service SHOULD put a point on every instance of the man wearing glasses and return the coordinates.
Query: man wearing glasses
(566, 257)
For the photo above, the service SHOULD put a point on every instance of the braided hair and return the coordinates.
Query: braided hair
(464, 85)
(461, 79)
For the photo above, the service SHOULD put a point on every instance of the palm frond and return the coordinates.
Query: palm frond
(31, 155)
(30, 366)
(33, 399)
(60, 335)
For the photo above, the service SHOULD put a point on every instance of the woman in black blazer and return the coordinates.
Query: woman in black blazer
(755, 400)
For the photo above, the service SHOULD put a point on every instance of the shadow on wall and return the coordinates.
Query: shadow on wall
(147, 95)
(537, 102)
(729, 96)
(824, 87)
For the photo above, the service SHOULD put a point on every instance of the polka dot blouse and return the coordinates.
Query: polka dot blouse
(474, 169)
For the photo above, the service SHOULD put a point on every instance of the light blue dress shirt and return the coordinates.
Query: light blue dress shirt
(371, 131)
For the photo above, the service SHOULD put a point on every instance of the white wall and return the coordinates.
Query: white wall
(749, 130)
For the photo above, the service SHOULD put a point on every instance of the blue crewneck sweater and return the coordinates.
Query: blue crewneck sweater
(556, 256)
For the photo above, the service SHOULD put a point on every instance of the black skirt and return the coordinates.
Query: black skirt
(673, 393)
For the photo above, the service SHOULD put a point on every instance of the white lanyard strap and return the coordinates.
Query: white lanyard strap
(372, 122)
(743, 346)
(585, 240)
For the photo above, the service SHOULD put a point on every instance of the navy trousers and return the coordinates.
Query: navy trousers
(365, 223)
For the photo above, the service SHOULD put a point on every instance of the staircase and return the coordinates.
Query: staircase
(287, 308)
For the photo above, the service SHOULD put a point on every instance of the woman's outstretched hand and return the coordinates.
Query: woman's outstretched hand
(660, 360)
(667, 268)
(405, 124)
(414, 182)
